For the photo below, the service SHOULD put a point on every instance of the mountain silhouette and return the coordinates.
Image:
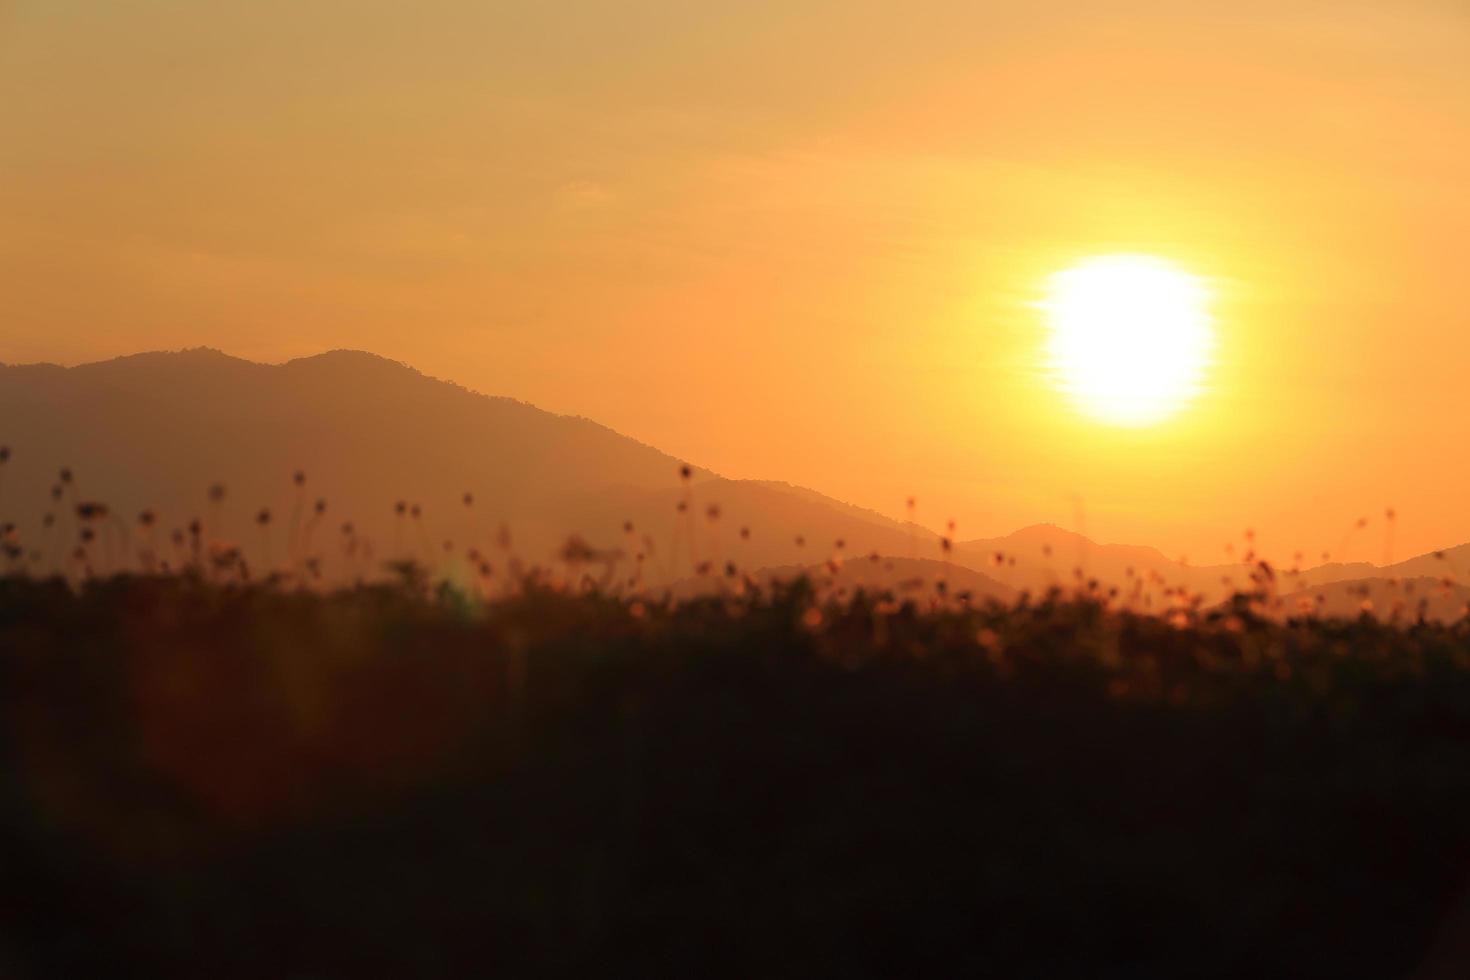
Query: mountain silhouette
(1384, 597)
(155, 431)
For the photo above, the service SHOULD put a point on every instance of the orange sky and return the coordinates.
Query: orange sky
(791, 240)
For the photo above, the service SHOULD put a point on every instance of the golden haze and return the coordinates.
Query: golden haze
(795, 243)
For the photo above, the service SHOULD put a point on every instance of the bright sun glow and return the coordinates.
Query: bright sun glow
(1130, 337)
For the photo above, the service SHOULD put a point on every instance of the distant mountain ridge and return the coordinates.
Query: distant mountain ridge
(1382, 596)
(155, 430)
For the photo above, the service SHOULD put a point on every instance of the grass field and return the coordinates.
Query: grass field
(246, 781)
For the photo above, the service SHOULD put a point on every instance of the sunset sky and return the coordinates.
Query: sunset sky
(796, 241)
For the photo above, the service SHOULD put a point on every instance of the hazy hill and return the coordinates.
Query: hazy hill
(917, 531)
(1042, 556)
(1383, 597)
(1451, 562)
(1437, 580)
(156, 430)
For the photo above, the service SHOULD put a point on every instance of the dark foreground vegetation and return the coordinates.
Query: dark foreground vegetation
(242, 781)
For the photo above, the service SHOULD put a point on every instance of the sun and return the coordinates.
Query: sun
(1130, 337)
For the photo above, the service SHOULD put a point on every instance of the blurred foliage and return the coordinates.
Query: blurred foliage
(246, 781)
